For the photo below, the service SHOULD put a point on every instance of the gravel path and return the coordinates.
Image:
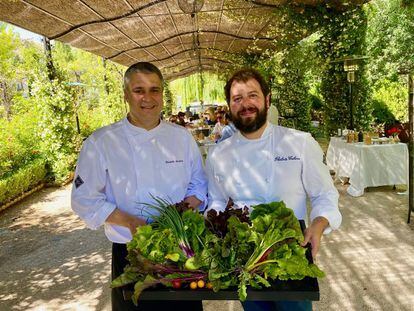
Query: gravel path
(50, 261)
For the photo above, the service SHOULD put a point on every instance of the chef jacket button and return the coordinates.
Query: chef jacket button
(267, 180)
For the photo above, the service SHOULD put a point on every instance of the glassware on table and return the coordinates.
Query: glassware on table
(367, 139)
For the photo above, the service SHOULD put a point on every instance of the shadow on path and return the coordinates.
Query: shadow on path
(49, 260)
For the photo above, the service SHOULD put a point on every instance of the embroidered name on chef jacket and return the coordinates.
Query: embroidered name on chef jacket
(173, 161)
(287, 158)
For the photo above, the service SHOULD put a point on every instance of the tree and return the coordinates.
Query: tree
(9, 42)
(390, 49)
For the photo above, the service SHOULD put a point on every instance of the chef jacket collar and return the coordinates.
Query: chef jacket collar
(267, 132)
(135, 130)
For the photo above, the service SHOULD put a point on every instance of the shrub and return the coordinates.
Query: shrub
(59, 141)
(22, 180)
(20, 142)
(381, 112)
(393, 94)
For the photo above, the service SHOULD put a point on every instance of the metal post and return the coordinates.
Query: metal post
(271, 78)
(351, 110)
(105, 77)
(202, 85)
(77, 74)
(410, 147)
(49, 62)
(77, 123)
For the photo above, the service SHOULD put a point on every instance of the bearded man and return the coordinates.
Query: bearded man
(262, 163)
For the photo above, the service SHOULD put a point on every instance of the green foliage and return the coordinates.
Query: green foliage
(381, 113)
(168, 100)
(41, 115)
(293, 96)
(391, 49)
(20, 142)
(252, 253)
(393, 96)
(8, 60)
(187, 90)
(389, 39)
(343, 36)
(59, 142)
(96, 86)
(23, 179)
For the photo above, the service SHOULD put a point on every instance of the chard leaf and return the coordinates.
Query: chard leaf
(141, 285)
(244, 279)
(125, 278)
(242, 291)
(214, 275)
(254, 284)
(262, 280)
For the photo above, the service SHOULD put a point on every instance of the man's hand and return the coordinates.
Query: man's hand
(314, 233)
(192, 201)
(118, 217)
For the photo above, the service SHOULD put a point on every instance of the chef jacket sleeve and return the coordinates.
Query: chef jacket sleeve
(216, 198)
(319, 186)
(198, 181)
(88, 192)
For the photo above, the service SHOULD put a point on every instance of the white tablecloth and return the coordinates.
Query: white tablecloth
(368, 165)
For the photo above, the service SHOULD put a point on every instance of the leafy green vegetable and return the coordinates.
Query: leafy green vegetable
(169, 218)
(237, 252)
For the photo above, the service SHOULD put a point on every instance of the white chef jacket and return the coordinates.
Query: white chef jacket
(122, 165)
(283, 164)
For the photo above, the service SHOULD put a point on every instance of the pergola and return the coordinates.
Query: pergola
(181, 37)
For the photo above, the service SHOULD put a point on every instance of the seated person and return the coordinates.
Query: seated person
(173, 119)
(218, 127)
(180, 118)
(228, 130)
(209, 118)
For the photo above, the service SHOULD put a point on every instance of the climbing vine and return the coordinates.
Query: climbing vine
(60, 143)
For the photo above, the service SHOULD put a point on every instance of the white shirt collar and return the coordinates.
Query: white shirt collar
(267, 132)
(136, 130)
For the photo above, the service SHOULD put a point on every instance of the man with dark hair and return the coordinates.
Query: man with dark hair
(262, 163)
(121, 166)
(142, 67)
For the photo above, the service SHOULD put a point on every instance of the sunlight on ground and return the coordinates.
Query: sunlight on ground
(86, 302)
(59, 264)
(369, 261)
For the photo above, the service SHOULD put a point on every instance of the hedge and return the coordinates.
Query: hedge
(22, 180)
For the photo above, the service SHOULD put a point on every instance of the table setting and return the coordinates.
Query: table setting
(381, 162)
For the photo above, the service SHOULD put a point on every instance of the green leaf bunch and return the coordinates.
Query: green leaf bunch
(249, 255)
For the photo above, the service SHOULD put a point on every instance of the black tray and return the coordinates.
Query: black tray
(306, 289)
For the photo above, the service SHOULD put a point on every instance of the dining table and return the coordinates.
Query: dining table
(367, 165)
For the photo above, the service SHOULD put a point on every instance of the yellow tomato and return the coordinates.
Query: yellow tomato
(200, 283)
